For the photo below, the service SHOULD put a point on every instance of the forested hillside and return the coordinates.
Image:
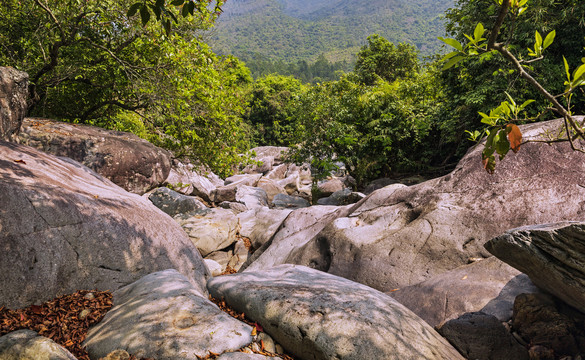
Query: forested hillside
(302, 30)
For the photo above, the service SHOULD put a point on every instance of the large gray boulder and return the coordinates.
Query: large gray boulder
(315, 315)
(401, 236)
(297, 229)
(260, 224)
(64, 228)
(184, 178)
(28, 345)
(552, 255)
(210, 229)
(13, 101)
(480, 336)
(127, 160)
(173, 203)
(163, 316)
(488, 285)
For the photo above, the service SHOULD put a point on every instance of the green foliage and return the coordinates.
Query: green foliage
(503, 134)
(293, 31)
(380, 59)
(320, 70)
(269, 109)
(378, 130)
(89, 62)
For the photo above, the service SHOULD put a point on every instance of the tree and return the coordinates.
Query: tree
(503, 133)
(269, 110)
(91, 63)
(381, 59)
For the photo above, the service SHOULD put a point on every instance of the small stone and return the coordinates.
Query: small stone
(117, 355)
(255, 347)
(278, 349)
(268, 342)
(89, 296)
(83, 314)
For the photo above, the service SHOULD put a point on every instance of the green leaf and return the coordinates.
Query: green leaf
(549, 39)
(579, 72)
(501, 143)
(525, 104)
(452, 62)
(567, 69)
(478, 32)
(157, 11)
(144, 15)
(452, 42)
(133, 9)
(538, 38)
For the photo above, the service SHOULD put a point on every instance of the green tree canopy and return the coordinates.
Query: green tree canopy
(91, 63)
(381, 59)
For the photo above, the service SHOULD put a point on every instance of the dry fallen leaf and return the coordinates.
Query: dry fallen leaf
(20, 161)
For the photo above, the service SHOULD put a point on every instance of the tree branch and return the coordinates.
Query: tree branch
(499, 21)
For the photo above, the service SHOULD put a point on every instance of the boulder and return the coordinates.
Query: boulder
(277, 172)
(331, 186)
(184, 179)
(214, 267)
(173, 203)
(229, 190)
(552, 255)
(283, 201)
(28, 345)
(259, 225)
(235, 207)
(298, 228)
(290, 184)
(271, 187)
(548, 325)
(240, 256)
(488, 285)
(277, 153)
(263, 166)
(401, 236)
(163, 316)
(315, 315)
(13, 102)
(251, 197)
(129, 161)
(243, 179)
(64, 228)
(480, 336)
(378, 184)
(210, 229)
(341, 197)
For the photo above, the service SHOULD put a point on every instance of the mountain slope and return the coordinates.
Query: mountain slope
(292, 30)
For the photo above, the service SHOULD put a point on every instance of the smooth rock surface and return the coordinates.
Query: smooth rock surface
(259, 225)
(251, 197)
(271, 187)
(163, 316)
(488, 285)
(13, 101)
(331, 186)
(400, 237)
(184, 179)
(298, 228)
(315, 315)
(283, 201)
(173, 203)
(129, 161)
(552, 255)
(480, 336)
(63, 228)
(28, 345)
(210, 229)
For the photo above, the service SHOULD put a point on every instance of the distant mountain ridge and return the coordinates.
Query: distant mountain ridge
(293, 30)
